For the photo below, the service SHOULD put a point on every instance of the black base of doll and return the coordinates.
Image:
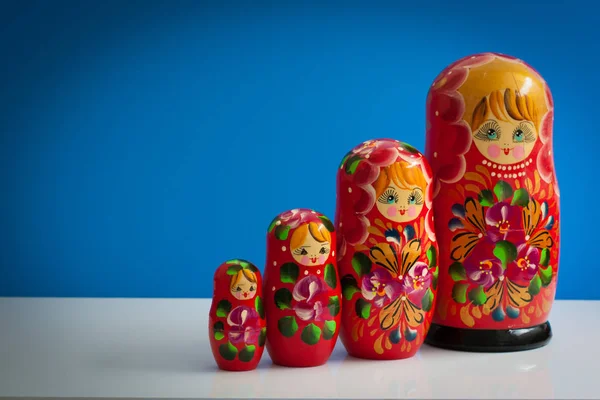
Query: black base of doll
(489, 341)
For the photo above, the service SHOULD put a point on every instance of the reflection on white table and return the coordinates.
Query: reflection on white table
(158, 348)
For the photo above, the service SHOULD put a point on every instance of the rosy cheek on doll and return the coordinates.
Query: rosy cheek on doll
(305, 260)
(519, 152)
(391, 212)
(494, 150)
(322, 259)
(412, 211)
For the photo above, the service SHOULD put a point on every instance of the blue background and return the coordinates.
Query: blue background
(144, 143)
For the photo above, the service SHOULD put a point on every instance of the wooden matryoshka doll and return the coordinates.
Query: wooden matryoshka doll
(496, 202)
(387, 249)
(236, 323)
(302, 289)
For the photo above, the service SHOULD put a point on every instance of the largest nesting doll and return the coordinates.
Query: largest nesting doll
(386, 249)
(496, 202)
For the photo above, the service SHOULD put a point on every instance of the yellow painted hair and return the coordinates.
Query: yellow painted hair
(251, 276)
(318, 231)
(504, 104)
(403, 174)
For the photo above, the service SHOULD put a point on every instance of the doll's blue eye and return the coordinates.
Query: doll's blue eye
(391, 199)
(492, 134)
(518, 136)
(412, 199)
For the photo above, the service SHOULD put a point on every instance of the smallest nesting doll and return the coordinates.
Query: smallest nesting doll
(302, 289)
(237, 327)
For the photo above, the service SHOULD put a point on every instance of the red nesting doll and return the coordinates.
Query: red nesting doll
(237, 327)
(496, 202)
(387, 249)
(302, 288)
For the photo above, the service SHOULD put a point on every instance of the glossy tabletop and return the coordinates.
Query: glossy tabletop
(158, 348)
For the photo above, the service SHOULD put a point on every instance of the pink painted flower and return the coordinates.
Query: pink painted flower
(526, 264)
(380, 287)
(244, 325)
(294, 217)
(416, 282)
(504, 222)
(481, 266)
(309, 306)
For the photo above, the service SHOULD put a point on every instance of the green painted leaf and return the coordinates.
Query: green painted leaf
(459, 292)
(362, 308)
(228, 351)
(219, 335)
(535, 285)
(352, 164)
(287, 326)
(330, 276)
(486, 198)
(334, 305)
(234, 269)
(436, 273)
(283, 299)
(545, 258)
(311, 334)
(546, 275)
(457, 272)
(282, 231)
(344, 160)
(288, 273)
(361, 264)
(432, 256)
(477, 296)
(506, 252)
(427, 300)
(327, 223)
(247, 353)
(503, 190)
(349, 287)
(329, 329)
(272, 225)
(409, 148)
(223, 308)
(258, 304)
(263, 337)
(520, 198)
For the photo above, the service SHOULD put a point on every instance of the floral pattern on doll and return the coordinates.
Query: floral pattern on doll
(244, 326)
(500, 250)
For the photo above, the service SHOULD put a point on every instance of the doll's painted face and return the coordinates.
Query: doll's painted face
(311, 244)
(400, 205)
(505, 142)
(242, 287)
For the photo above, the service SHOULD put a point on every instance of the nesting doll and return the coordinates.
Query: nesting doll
(302, 289)
(387, 249)
(237, 327)
(496, 202)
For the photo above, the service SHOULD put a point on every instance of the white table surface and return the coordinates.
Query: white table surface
(158, 348)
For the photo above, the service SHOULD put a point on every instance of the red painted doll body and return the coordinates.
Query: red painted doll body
(386, 249)
(496, 201)
(237, 327)
(302, 289)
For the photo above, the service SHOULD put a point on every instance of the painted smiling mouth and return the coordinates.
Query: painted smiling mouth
(401, 211)
(506, 150)
(313, 260)
(245, 294)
